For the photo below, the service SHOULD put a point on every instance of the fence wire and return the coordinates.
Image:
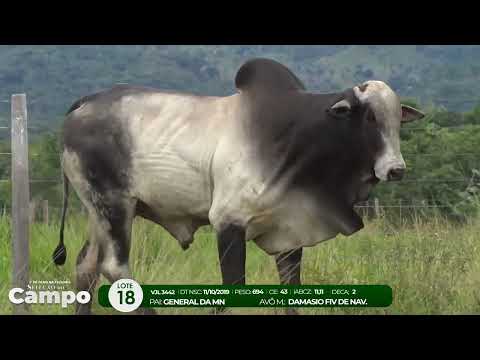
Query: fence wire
(410, 157)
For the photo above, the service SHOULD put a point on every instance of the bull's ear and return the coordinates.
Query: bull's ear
(340, 108)
(411, 114)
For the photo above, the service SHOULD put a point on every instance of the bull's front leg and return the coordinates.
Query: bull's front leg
(289, 266)
(232, 256)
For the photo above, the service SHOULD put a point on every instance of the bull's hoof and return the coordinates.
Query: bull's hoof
(219, 310)
(289, 311)
(83, 310)
(146, 311)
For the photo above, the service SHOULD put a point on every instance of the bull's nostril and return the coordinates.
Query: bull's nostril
(396, 174)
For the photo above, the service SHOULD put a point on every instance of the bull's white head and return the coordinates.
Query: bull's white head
(389, 114)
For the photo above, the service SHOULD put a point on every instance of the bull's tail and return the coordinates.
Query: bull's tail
(60, 253)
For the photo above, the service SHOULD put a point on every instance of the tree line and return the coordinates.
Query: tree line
(55, 76)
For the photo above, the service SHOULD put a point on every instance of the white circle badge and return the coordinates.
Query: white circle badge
(125, 295)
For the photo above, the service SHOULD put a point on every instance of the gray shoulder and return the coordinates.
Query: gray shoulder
(268, 75)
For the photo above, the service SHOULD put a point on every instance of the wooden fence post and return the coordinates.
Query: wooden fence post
(20, 197)
(45, 211)
(400, 208)
(32, 208)
(377, 208)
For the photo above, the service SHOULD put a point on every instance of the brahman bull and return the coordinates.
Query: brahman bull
(273, 164)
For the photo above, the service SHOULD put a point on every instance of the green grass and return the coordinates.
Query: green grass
(433, 267)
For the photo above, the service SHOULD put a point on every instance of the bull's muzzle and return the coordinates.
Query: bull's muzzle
(395, 174)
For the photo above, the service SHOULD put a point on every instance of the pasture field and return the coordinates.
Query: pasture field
(433, 266)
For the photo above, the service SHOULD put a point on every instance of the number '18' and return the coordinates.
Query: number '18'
(129, 297)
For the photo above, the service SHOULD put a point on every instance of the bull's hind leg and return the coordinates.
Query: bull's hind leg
(87, 275)
(114, 230)
(288, 266)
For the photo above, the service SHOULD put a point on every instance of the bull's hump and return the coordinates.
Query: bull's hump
(268, 75)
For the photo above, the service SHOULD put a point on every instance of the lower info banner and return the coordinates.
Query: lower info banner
(246, 295)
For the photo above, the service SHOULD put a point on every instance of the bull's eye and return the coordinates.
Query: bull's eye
(371, 117)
